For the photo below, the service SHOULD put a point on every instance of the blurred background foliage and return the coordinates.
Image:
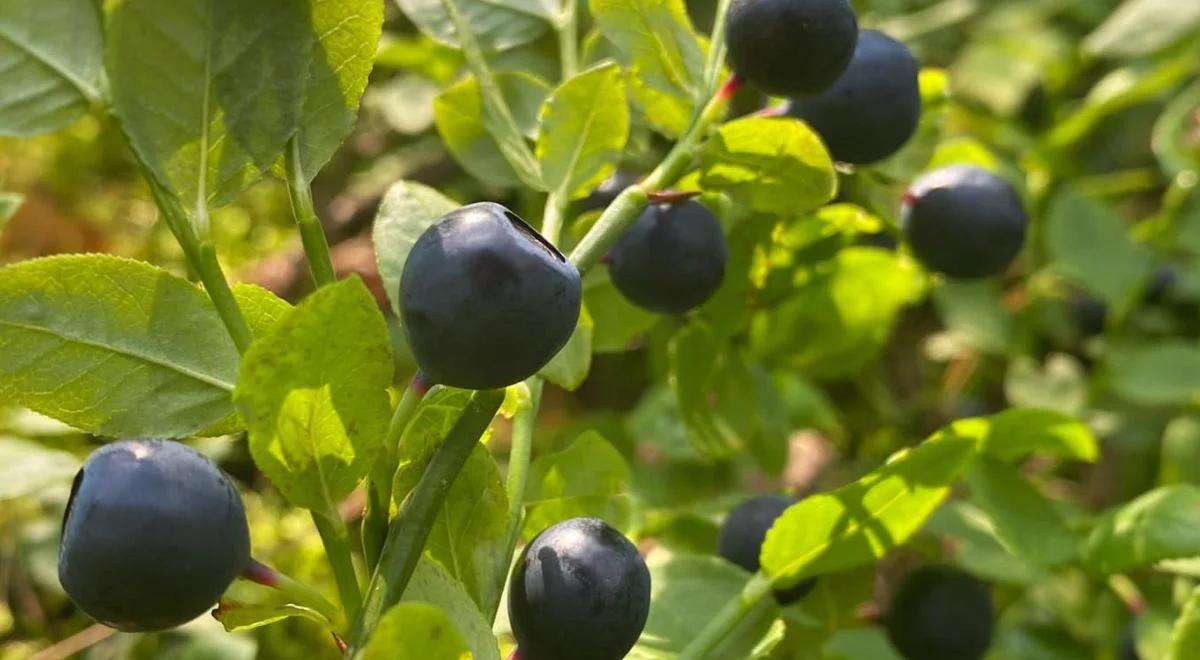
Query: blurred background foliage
(1091, 106)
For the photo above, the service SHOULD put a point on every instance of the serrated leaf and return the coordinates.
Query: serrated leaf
(416, 631)
(113, 347)
(1017, 433)
(496, 24)
(460, 118)
(687, 591)
(50, 76)
(28, 467)
(208, 91)
(666, 58)
(1185, 638)
(862, 521)
(570, 367)
(1141, 27)
(1090, 245)
(340, 51)
(583, 128)
(235, 616)
(1162, 373)
(430, 583)
(468, 534)
(1025, 521)
(769, 165)
(588, 478)
(618, 322)
(313, 393)
(407, 210)
(262, 309)
(1162, 524)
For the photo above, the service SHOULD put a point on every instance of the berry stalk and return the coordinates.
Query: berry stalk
(336, 540)
(410, 529)
(758, 588)
(518, 475)
(292, 589)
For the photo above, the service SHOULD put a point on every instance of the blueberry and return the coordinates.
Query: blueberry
(485, 300)
(964, 222)
(1161, 283)
(938, 613)
(873, 108)
(743, 533)
(1091, 315)
(152, 536)
(672, 259)
(790, 47)
(580, 590)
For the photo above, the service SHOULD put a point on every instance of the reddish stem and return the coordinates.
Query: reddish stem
(672, 196)
(259, 573)
(731, 86)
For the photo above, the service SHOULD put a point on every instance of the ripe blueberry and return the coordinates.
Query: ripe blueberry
(580, 590)
(939, 612)
(672, 259)
(485, 300)
(153, 535)
(964, 222)
(873, 108)
(790, 47)
(745, 529)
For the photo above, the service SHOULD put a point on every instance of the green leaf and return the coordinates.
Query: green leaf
(496, 26)
(208, 91)
(1015, 434)
(1185, 638)
(859, 644)
(666, 58)
(1162, 373)
(1173, 142)
(862, 521)
(839, 319)
(570, 367)
(416, 631)
(407, 210)
(28, 467)
(618, 322)
(769, 165)
(431, 584)
(584, 126)
(50, 76)
(1162, 524)
(468, 535)
(262, 309)
(687, 591)
(113, 347)
(235, 616)
(460, 119)
(340, 50)
(9, 204)
(1025, 521)
(978, 549)
(1058, 384)
(588, 478)
(972, 310)
(1090, 245)
(313, 393)
(1142, 27)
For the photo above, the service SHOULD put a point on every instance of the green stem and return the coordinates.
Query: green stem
(201, 255)
(554, 217)
(568, 38)
(633, 200)
(312, 233)
(719, 627)
(410, 529)
(294, 591)
(716, 51)
(518, 475)
(375, 523)
(337, 549)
